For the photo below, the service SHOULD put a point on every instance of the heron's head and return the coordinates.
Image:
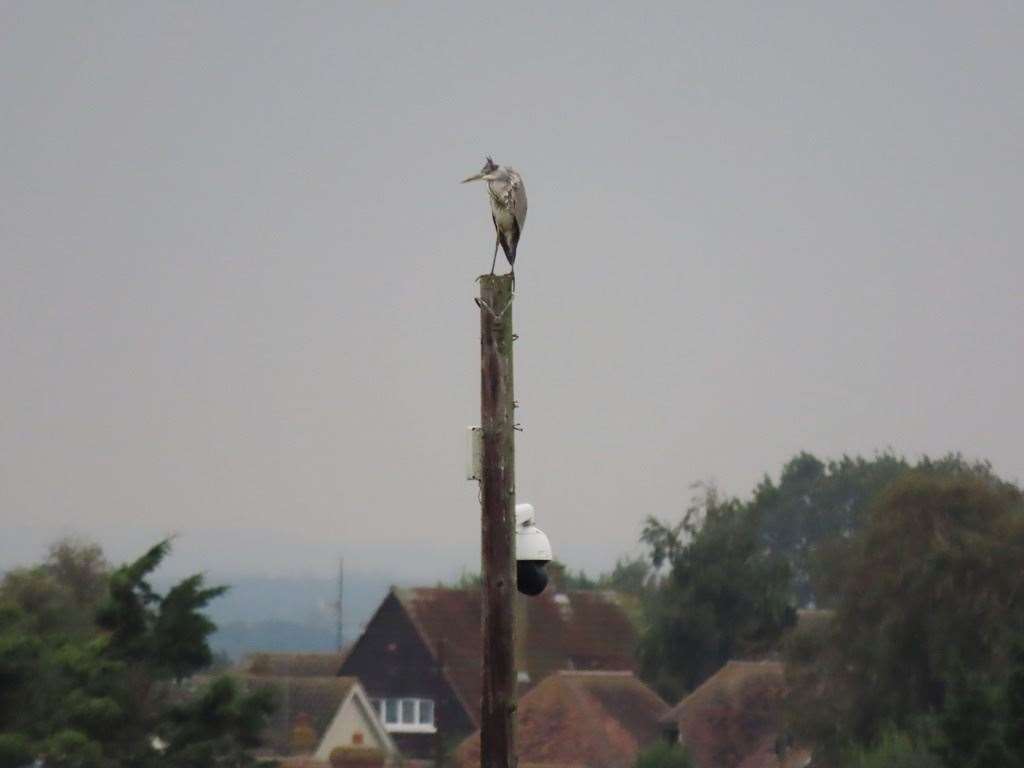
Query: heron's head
(486, 173)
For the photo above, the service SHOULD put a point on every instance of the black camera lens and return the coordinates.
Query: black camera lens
(531, 578)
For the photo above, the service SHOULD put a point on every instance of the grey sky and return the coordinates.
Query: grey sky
(238, 267)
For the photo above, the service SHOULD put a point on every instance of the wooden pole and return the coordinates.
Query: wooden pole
(498, 513)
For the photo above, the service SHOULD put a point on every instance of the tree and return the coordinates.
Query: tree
(46, 636)
(80, 567)
(982, 720)
(217, 727)
(967, 726)
(564, 579)
(816, 502)
(723, 597)
(930, 586)
(894, 749)
(100, 692)
(62, 593)
(664, 755)
(631, 576)
(1013, 702)
(15, 750)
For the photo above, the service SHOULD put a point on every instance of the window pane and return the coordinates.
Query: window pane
(426, 712)
(408, 710)
(391, 710)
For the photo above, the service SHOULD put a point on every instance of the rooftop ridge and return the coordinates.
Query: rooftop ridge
(311, 678)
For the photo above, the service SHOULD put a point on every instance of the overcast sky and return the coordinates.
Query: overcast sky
(237, 267)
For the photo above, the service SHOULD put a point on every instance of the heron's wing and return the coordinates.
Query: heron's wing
(517, 198)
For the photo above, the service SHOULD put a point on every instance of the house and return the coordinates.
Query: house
(581, 719)
(734, 719)
(421, 653)
(316, 715)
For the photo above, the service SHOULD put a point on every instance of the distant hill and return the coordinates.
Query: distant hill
(261, 613)
(238, 638)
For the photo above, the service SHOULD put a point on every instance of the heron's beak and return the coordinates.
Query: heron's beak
(474, 177)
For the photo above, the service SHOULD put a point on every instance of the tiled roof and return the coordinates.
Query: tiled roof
(293, 664)
(305, 708)
(583, 719)
(733, 714)
(577, 630)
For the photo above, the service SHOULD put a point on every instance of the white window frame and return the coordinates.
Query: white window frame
(384, 709)
(414, 727)
(408, 707)
(433, 713)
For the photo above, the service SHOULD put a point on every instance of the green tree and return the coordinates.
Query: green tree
(15, 750)
(218, 727)
(968, 722)
(981, 721)
(816, 502)
(664, 755)
(631, 576)
(565, 579)
(894, 749)
(723, 597)
(101, 693)
(61, 594)
(930, 585)
(1013, 702)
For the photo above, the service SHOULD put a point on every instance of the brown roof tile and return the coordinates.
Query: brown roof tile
(763, 755)
(302, 703)
(577, 630)
(733, 714)
(582, 719)
(292, 664)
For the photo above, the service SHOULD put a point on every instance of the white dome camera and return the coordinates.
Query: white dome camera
(533, 552)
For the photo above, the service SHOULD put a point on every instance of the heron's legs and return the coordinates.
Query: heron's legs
(494, 261)
(512, 272)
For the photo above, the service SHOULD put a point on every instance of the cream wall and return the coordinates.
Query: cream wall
(355, 716)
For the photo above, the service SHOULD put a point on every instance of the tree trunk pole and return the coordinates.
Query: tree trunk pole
(498, 513)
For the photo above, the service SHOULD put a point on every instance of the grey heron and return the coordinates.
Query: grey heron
(507, 194)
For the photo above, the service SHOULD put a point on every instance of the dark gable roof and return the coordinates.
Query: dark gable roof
(592, 719)
(301, 701)
(293, 664)
(577, 630)
(731, 714)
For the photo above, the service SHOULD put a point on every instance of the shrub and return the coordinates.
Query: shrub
(664, 755)
(15, 750)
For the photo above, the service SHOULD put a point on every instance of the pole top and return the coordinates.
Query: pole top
(495, 280)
